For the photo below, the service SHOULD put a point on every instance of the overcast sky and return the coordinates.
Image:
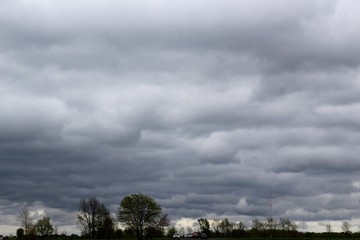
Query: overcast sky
(205, 105)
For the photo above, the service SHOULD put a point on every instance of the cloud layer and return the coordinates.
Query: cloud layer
(205, 106)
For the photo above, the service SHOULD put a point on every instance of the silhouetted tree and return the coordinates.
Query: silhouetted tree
(240, 230)
(106, 224)
(43, 227)
(20, 233)
(26, 220)
(226, 227)
(171, 231)
(119, 234)
(257, 227)
(142, 214)
(270, 225)
(346, 226)
(215, 227)
(93, 218)
(286, 226)
(204, 225)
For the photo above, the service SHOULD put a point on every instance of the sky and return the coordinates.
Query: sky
(206, 106)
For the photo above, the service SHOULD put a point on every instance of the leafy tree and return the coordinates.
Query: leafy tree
(106, 224)
(129, 233)
(20, 233)
(119, 233)
(26, 220)
(31, 235)
(239, 230)
(226, 227)
(171, 231)
(182, 231)
(142, 214)
(270, 225)
(43, 227)
(93, 218)
(257, 225)
(204, 225)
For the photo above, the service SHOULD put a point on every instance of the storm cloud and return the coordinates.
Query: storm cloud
(205, 106)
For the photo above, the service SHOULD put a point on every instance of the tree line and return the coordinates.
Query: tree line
(42, 228)
(139, 213)
(267, 228)
(143, 218)
(227, 229)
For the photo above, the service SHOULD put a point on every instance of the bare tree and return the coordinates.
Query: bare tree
(242, 226)
(26, 220)
(328, 228)
(93, 218)
(257, 225)
(215, 225)
(286, 225)
(270, 224)
(226, 227)
(346, 226)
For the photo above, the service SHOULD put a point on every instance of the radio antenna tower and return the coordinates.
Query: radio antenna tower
(270, 204)
(271, 220)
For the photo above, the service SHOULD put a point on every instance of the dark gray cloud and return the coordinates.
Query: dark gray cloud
(205, 106)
